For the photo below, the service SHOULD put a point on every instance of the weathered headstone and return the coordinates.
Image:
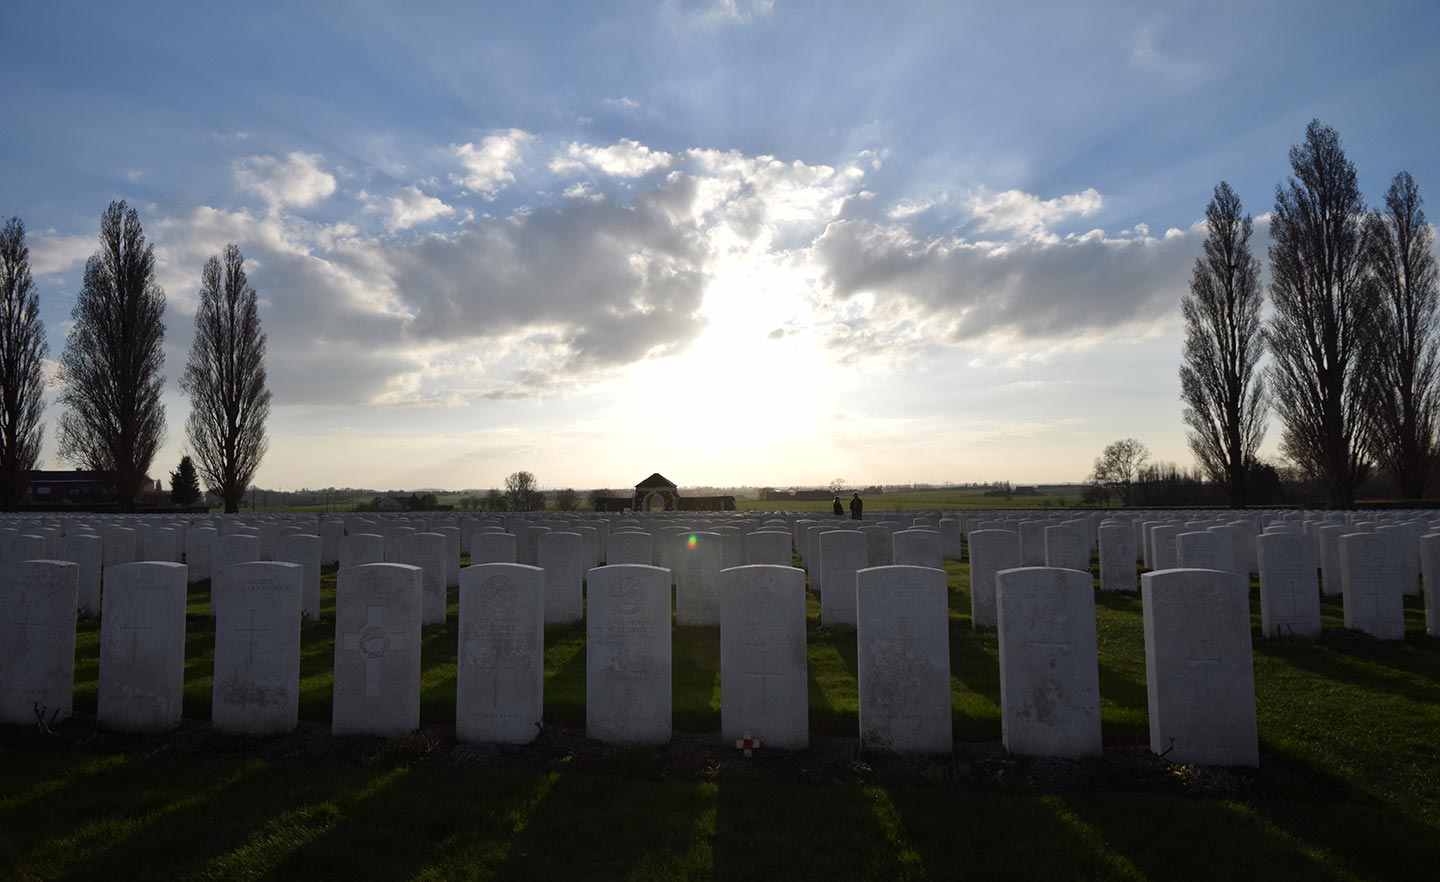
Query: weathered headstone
(256, 686)
(1167, 553)
(1199, 673)
(763, 668)
(492, 548)
(630, 548)
(359, 549)
(1430, 569)
(1204, 550)
(1289, 596)
(38, 600)
(142, 647)
(88, 552)
(427, 551)
(500, 677)
(879, 545)
(697, 581)
(768, 547)
(1067, 548)
(917, 548)
(904, 659)
(1032, 543)
(331, 532)
(199, 552)
(1049, 666)
(303, 549)
(562, 557)
(119, 545)
(844, 553)
(1371, 573)
(627, 665)
(990, 552)
(1117, 559)
(377, 650)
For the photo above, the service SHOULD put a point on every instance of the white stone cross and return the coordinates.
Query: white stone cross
(130, 628)
(373, 642)
(252, 631)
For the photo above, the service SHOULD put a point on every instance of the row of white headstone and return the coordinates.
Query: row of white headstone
(1197, 640)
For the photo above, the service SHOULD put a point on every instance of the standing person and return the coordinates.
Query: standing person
(839, 509)
(857, 506)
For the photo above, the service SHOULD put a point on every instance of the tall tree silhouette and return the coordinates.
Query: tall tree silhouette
(1324, 309)
(1220, 383)
(113, 419)
(22, 352)
(1403, 370)
(225, 379)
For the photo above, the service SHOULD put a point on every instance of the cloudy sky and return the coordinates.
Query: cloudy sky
(737, 242)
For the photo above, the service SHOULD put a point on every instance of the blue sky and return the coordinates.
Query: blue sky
(735, 242)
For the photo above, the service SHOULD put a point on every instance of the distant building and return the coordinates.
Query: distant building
(659, 493)
(72, 488)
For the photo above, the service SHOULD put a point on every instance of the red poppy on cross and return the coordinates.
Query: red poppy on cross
(748, 744)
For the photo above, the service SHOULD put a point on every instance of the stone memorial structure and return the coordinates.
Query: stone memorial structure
(763, 667)
(38, 600)
(142, 647)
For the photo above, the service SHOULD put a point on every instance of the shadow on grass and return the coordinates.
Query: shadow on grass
(565, 675)
(695, 676)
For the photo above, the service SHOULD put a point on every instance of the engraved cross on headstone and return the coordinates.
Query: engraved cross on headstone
(764, 675)
(1291, 592)
(1203, 663)
(24, 628)
(373, 642)
(131, 629)
(251, 631)
(1374, 595)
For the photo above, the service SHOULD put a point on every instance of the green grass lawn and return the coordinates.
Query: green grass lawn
(1349, 786)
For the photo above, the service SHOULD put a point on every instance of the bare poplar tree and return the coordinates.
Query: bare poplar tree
(1403, 370)
(1223, 391)
(1323, 312)
(225, 379)
(22, 351)
(1118, 465)
(113, 419)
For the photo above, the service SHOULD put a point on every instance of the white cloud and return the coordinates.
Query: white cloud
(407, 208)
(490, 166)
(623, 159)
(583, 190)
(296, 181)
(891, 288)
(1027, 214)
(629, 105)
(50, 253)
(908, 208)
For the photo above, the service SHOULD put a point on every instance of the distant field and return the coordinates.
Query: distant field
(954, 498)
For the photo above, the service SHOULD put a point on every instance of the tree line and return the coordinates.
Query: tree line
(112, 419)
(1352, 339)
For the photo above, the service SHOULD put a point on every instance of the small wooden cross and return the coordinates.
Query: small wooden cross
(748, 744)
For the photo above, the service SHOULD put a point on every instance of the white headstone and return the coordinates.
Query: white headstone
(763, 667)
(768, 547)
(119, 545)
(88, 551)
(377, 650)
(359, 549)
(38, 600)
(142, 647)
(256, 686)
(990, 552)
(331, 532)
(427, 551)
(199, 552)
(1289, 595)
(562, 557)
(1199, 673)
(917, 548)
(904, 659)
(844, 553)
(1430, 569)
(1371, 573)
(303, 549)
(627, 664)
(1067, 548)
(630, 548)
(492, 548)
(1049, 666)
(500, 677)
(1117, 559)
(697, 582)
(1205, 550)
